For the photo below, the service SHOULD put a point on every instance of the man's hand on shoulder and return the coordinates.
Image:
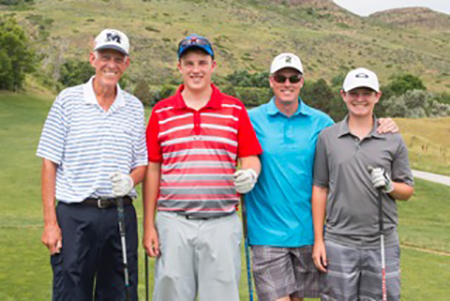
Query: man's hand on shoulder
(387, 125)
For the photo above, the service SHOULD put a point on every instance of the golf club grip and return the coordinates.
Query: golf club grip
(121, 218)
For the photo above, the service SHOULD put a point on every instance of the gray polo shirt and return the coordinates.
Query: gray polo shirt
(341, 165)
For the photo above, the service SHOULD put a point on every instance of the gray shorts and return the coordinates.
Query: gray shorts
(198, 258)
(355, 273)
(281, 272)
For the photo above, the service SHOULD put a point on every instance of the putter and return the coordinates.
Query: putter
(120, 213)
(381, 227)
(247, 251)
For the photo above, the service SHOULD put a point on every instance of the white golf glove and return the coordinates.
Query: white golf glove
(122, 184)
(380, 179)
(245, 180)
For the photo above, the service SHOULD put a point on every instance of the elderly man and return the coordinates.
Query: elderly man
(94, 152)
(195, 139)
(279, 207)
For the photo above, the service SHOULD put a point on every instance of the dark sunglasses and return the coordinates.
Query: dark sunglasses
(292, 79)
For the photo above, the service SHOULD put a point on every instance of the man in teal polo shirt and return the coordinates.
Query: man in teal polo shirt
(280, 224)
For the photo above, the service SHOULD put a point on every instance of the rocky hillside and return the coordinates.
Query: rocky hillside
(417, 17)
(246, 35)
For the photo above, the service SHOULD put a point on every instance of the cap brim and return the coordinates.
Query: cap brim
(346, 89)
(286, 67)
(195, 46)
(113, 47)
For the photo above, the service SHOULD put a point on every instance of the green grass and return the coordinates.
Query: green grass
(428, 143)
(25, 272)
(424, 219)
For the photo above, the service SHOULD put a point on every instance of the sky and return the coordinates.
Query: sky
(367, 7)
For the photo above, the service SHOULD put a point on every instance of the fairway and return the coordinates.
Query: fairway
(25, 272)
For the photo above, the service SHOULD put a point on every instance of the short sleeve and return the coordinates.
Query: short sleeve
(53, 138)
(321, 173)
(248, 144)
(153, 146)
(401, 170)
(140, 149)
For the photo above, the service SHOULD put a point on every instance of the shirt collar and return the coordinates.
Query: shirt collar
(344, 129)
(90, 98)
(303, 109)
(214, 102)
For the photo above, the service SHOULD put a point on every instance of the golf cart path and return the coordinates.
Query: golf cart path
(445, 180)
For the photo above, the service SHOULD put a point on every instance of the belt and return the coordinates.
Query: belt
(104, 203)
(193, 217)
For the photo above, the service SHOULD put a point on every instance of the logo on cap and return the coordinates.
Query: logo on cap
(113, 36)
(288, 59)
(361, 75)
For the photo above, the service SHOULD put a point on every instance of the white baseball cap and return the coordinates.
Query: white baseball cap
(361, 78)
(112, 39)
(286, 60)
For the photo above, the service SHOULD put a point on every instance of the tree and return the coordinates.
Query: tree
(16, 2)
(75, 72)
(411, 104)
(142, 91)
(402, 83)
(318, 95)
(16, 56)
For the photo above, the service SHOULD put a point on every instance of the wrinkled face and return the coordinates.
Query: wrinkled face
(361, 101)
(196, 68)
(286, 92)
(109, 66)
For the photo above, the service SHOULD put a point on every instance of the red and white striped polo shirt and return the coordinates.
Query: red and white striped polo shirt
(198, 152)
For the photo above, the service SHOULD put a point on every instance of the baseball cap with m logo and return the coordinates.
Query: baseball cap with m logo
(112, 39)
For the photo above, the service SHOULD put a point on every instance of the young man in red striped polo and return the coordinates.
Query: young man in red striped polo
(195, 139)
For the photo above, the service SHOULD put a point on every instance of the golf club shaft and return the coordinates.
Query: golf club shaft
(247, 251)
(146, 277)
(381, 226)
(121, 217)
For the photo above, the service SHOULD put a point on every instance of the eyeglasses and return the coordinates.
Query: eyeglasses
(293, 79)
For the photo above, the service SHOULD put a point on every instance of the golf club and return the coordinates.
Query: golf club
(381, 227)
(121, 216)
(247, 251)
(146, 276)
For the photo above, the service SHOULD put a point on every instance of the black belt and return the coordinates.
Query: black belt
(104, 203)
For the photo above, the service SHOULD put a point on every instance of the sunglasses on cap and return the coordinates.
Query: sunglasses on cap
(293, 79)
(198, 41)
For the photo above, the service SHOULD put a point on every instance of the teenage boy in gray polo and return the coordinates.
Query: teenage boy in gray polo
(346, 191)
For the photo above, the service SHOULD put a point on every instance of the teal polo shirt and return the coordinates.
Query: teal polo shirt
(279, 206)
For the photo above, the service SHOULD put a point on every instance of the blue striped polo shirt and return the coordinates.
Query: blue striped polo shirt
(279, 206)
(89, 143)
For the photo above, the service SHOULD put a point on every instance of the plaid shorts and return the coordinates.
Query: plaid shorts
(355, 273)
(281, 272)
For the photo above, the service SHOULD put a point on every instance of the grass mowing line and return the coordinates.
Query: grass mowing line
(421, 249)
(21, 226)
